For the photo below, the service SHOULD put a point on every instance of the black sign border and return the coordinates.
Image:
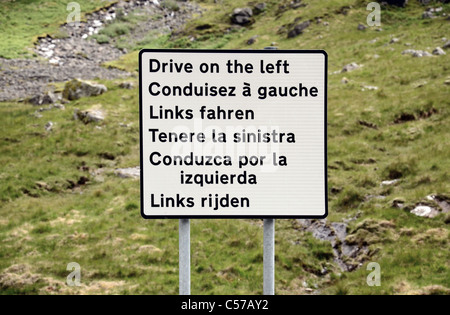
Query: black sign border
(148, 217)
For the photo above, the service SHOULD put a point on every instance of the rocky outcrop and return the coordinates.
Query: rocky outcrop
(299, 29)
(77, 89)
(43, 99)
(242, 16)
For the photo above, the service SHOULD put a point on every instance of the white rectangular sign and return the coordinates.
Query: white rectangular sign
(233, 134)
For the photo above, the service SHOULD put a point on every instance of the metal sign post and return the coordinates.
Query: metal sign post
(269, 257)
(185, 256)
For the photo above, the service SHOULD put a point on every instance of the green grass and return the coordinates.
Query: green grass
(98, 224)
(47, 223)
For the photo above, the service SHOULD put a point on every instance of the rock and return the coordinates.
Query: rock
(126, 85)
(438, 51)
(89, 116)
(350, 67)
(361, 27)
(260, 8)
(398, 203)
(42, 185)
(336, 234)
(43, 99)
(132, 172)
(295, 4)
(421, 53)
(442, 201)
(77, 89)
(48, 126)
(345, 80)
(45, 109)
(408, 52)
(428, 15)
(370, 88)
(394, 40)
(390, 182)
(425, 211)
(416, 53)
(242, 16)
(36, 115)
(298, 29)
(420, 84)
(252, 40)
(59, 106)
(446, 45)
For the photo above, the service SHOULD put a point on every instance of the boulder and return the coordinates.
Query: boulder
(89, 116)
(252, 40)
(350, 67)
(49, 126)
(390, 182)
(361, 27)
(242, 16)
(260, 8)
(43, 99)
(132, 172)
(425, 211)
(127, 85)
(428, 15)
(438, 51)
(77, 89)
(299, 29)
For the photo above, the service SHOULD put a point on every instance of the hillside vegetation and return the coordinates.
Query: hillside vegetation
(388, 153)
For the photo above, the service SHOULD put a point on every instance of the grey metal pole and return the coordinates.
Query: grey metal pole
(185, 256)
(269, 257)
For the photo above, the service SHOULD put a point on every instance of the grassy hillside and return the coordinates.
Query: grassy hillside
(22, 21)
(60, 200)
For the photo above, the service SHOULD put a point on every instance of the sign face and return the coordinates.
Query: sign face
(233, 134)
